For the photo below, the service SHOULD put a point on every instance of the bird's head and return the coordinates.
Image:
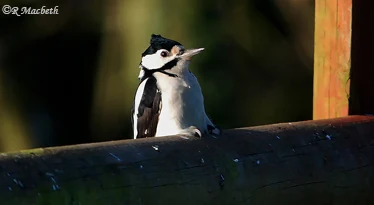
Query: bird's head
(166, 54)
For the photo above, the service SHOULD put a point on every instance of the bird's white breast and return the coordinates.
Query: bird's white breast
(182, 103)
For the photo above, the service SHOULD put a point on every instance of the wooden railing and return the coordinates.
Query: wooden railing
(312, 162)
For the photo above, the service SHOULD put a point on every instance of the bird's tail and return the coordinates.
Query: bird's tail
(211, 128)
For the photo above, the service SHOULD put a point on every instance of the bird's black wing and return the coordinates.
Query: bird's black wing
(132, 114)
(148, 110)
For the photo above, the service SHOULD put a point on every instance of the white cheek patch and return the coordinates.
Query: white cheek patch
(155, 61)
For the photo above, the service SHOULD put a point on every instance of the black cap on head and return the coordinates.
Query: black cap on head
(158, 42)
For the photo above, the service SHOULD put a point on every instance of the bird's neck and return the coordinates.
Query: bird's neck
(180, 69)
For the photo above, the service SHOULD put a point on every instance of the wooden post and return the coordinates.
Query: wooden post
(332, 58)
(313, 162)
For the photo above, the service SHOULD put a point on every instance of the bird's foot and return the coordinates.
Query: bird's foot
(192, 130)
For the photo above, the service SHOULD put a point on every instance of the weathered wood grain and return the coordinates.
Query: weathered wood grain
(332, 58)
(312, 162)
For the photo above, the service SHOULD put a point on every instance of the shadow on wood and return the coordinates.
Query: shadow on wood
(362, 71)
(312, 162)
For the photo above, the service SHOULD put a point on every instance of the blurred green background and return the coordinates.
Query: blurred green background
(70, 78)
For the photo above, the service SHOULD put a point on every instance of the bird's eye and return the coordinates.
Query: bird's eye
(164, 53)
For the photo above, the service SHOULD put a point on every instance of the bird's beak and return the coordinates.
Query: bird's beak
(187, 54)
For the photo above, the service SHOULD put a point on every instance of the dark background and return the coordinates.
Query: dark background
(70, 78)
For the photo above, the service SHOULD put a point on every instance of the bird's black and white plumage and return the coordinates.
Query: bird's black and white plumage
(169, 100)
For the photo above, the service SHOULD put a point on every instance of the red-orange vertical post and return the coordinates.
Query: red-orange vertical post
(332, 52)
